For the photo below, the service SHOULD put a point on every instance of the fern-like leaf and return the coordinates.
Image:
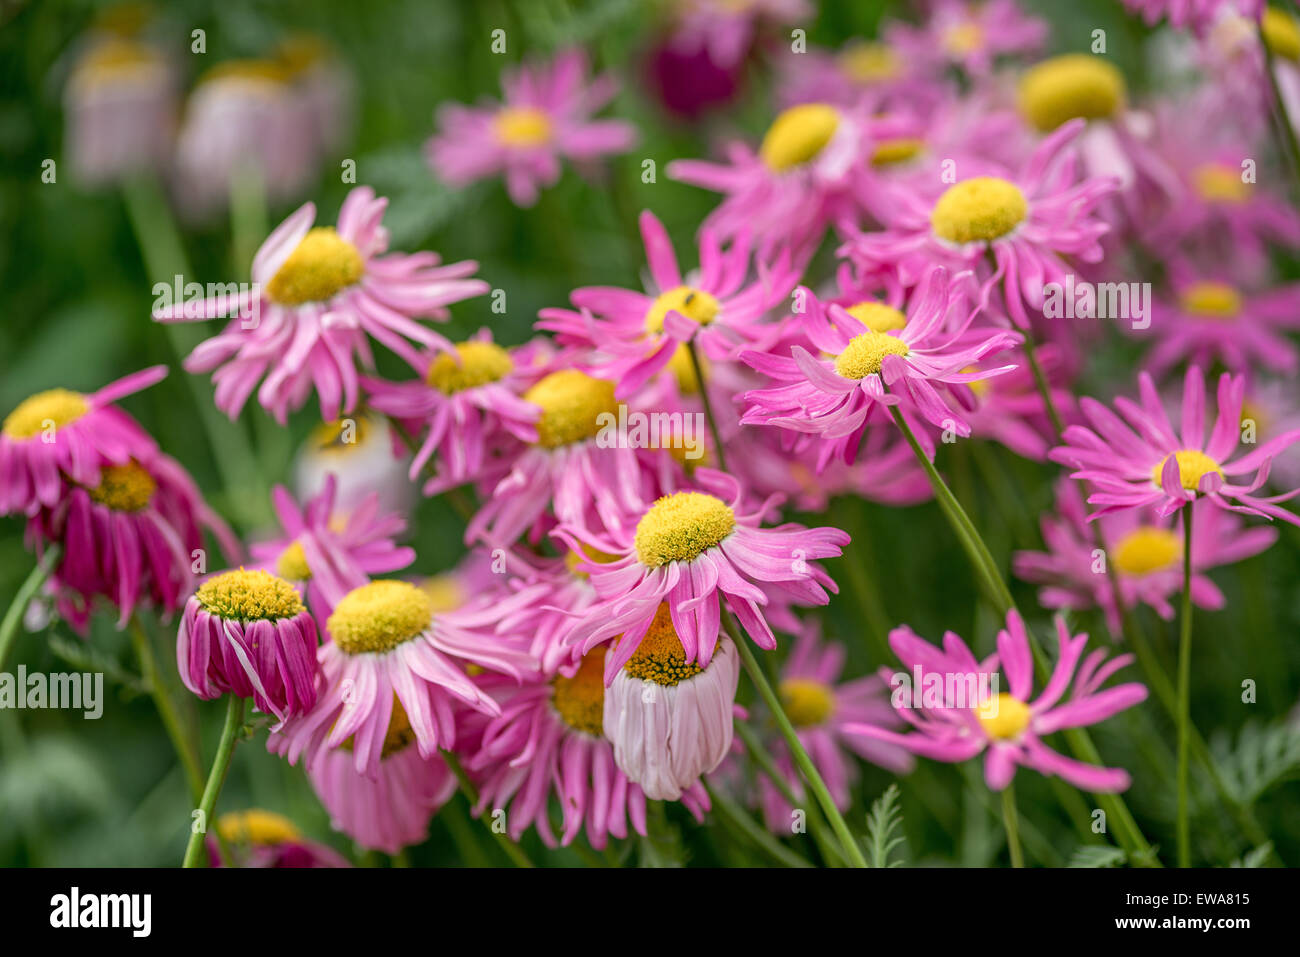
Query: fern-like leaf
(884, 829)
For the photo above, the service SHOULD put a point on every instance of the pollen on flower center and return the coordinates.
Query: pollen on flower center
(869, 62)
(1003, 717)
(249, 596)
(891, 152)
(682, 526)
(661, 658)
(1193, 464)
(323, 264)
(292, 563)
(1281, 33)
(580, 700)
(379, 616)
(480, 363)
(341, 435)
(797, 135)
(877, 317)
(691, 303)
(1220, 183)
(980, 208)
(807, 702)
(255, 826)
(1147, 549)
(1214, 300)
(1070, 86)
(864, 354)
(522, 126)
(571, 403)
(124, 488)
(53, 408)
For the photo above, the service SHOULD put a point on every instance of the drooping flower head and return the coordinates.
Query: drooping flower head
(258, 838)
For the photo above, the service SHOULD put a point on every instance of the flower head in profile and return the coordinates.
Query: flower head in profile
(546, 116)
(1140, 460)
(319, 295)
(1007, 728)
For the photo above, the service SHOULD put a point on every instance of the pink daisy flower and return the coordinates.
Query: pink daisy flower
(1007, 728)
(58, 436)
(1197, 14)
(326, 552)
(545, 117)
(727, 30)
(692, 550)
(968, 35)
(1141, 461)
(1010, 410)
(318, 295)
(258, 838)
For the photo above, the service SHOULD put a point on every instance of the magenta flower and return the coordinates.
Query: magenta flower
(319, 294)
(1197, 14)
(546, 117)
(1143, 462)
(58, 436)
(727, 30)
(326, 552)
(1007, 728)
(247, 633)
(969, 35)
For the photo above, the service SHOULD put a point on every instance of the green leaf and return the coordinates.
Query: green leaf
(884, 819)
(1097, 855)
(1263, 757)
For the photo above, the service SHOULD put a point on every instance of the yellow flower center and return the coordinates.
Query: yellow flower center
(963, 38)
(399, 735)
(807, 702)
(661, 658)
(877, 317)
(1214, 300)
(870, 62)
(522, 126)
(251, 70)
(292, 564)
(341, 435)
(682, 526)
(249, 596)
(445, 592)
(323, 264)
(480, 363)
(1219, 183)
(865, 353)
(797, 135)
(1065, 87)
(691, 303)
(51, 409)
(892, 152)
(981, 208)
(1003, 717)
(114, 58)
(256, 826)
(124, 488)
(1281, 34)
(1192, 465)
(571, 403)
(1147, 549)
(379, 616)
(580, 700)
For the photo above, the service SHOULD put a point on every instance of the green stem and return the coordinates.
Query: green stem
(184, 745)
(1184, 694)
(18, 607)
(512, 850)
(708, 406)
(797, 750)
(216, 777)
(1011, 821)
(1044, 388)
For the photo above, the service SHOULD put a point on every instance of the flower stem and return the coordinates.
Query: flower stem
(797, 750)
(708, 406)
(26, 591)
(216, 777)
(1044, 387)
(1279, 114)
(184, 745)
(512, 850)
(1184, 694)
(1011, 821)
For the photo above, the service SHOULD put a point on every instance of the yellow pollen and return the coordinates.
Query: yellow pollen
(292, 564)
(1070, 86)
(51, 409)
(1220, 183)
(323, 264)
(571, 403)
(1147, 549)
(683, 369)
(1214, 300)
(1281, 33)
(797, 135)
(892, 152)
(661, 658)
(1192, 465)
(124, 488)
(445, 592)
(398, 736)
(691, 303)
(522, 126)
(877, 317)
(580, 700)
(480, 363)
(113, 59)
(341, 435)
(256, 826)
(870, 62)
(963, 38)
(379, 616)
(249, 596)
(258, 71)
(589, 555)
(807, 702)
(864, 354)
(682, 526)
(981, 208)
(1003, 717)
